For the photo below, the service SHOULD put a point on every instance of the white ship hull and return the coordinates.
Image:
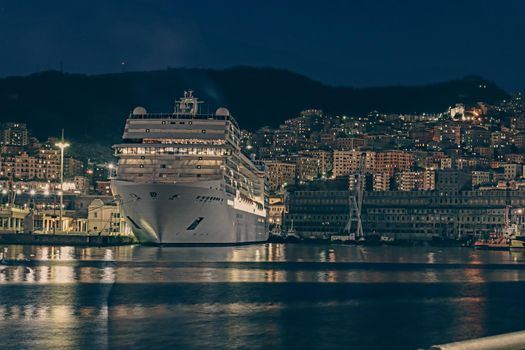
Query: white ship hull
(196, 213)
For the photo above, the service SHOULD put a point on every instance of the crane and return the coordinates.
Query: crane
(355, 201)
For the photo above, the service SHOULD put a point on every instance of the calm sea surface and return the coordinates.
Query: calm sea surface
(256, 297)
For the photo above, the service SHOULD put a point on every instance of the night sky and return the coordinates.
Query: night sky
(358, 43)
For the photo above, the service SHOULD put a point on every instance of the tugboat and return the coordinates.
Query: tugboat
(499, 240)
(496, 241)
(502, 240)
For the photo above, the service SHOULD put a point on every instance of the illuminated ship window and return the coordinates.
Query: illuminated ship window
(198, 166)
(141, 166)
(147, 130)
(190, 122)
(142, 157)
(203, 131)
(163, 122)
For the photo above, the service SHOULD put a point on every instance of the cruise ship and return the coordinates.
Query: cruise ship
(182, 178)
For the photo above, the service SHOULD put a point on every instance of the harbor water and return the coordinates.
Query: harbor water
(268, 296)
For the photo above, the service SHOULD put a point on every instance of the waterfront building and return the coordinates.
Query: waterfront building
(276, 209)
(318, 213)
(418, 215)
(105, 219)
(12, 218)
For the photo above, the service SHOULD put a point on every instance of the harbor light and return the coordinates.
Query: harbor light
(62, 145)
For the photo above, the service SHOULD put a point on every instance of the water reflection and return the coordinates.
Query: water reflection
(261, 296)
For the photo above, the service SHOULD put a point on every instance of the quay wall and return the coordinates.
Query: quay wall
(65, 239)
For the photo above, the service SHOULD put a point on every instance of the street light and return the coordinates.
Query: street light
(62, 145)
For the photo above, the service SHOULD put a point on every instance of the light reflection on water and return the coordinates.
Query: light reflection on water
(259, 296)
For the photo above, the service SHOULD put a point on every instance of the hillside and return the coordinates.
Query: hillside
(94, 107)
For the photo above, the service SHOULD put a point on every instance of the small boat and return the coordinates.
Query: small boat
(499, 240)
(495, 243)
(276, 235)
(291, 235)
(388, 240)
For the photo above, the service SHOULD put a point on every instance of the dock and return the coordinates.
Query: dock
(66, 239)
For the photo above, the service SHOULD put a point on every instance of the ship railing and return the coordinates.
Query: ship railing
(508, 341)
(183, 116)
